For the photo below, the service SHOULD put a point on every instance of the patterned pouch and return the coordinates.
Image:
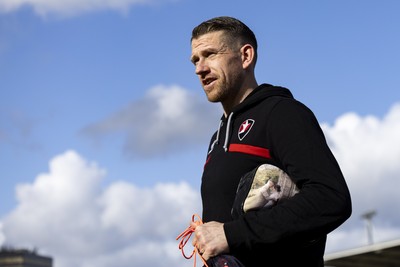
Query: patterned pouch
(224, 261)
(262, 187)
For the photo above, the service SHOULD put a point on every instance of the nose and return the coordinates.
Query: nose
(201, 68)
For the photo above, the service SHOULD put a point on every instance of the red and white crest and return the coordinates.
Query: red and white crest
(245, 128)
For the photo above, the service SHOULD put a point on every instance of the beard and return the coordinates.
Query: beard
(216, 94)
(222, 91)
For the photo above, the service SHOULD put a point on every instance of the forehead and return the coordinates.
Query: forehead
(213, 40)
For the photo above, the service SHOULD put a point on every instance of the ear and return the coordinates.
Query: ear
(248, 55)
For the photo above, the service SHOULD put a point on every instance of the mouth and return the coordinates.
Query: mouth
(208, 81)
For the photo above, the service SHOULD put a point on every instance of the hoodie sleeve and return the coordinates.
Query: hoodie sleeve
(323, 203)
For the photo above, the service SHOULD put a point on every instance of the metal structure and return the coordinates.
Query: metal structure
(385, 254)
(23, 258)
(368, 219)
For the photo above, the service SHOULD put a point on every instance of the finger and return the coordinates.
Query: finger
(196, 236)
(205, 255)
(196, 242)
(200, 250)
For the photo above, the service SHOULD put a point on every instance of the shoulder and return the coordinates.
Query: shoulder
(292, 109)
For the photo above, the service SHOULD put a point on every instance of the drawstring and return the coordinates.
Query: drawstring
(227, 133)
(228, 128)
(216, 140)
(185, 236)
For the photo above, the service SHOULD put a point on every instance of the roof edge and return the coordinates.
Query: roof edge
(361, 250)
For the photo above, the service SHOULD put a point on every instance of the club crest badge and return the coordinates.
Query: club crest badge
(245, 128)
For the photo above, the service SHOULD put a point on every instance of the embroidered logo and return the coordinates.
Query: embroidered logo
(245, 128)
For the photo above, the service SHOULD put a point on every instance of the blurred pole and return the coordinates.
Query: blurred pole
(368, 219)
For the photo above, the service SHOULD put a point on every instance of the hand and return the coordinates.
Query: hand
(210, 239)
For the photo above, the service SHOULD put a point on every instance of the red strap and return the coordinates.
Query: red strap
(185, 237)
(252, 150)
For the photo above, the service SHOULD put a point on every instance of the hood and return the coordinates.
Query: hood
(260, 93)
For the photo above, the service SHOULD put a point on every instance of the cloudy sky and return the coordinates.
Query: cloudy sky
(104, 126)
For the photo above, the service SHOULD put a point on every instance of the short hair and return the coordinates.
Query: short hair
(234, 30)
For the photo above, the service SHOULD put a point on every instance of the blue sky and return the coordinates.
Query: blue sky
(105, 92)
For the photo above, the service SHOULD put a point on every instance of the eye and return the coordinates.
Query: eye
(209, 54)
(194, 60)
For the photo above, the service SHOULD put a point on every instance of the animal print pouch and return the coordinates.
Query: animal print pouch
(262, 187)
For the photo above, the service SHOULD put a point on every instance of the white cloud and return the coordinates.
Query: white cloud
(69, 216)
(73, 7)
(167, 118)
(368, 151)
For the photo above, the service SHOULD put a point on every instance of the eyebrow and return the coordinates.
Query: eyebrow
(209, 50)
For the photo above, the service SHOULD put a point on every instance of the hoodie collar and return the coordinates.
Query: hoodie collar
(260, 93)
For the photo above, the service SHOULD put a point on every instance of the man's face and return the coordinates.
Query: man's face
(218, 66)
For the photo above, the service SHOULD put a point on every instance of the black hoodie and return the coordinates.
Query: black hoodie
(270, 126)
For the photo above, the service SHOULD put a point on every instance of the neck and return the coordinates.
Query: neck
(239, 97)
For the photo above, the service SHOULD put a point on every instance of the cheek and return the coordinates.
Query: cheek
(233, 67)
(233, 74)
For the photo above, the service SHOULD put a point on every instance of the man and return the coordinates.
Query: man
(262, 124)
